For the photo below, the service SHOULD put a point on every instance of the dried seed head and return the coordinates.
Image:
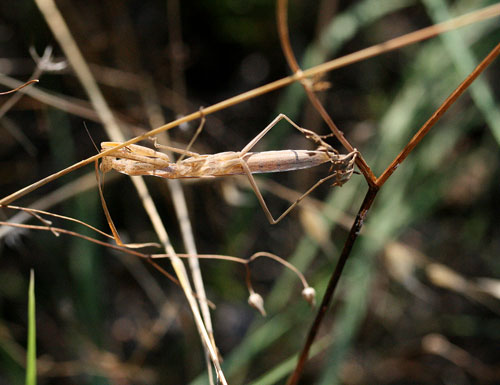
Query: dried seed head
(257, 302)
(309, 295)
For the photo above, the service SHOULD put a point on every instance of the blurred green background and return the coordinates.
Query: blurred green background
(419, 300)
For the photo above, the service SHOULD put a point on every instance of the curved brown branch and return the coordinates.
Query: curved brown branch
(281, 17)
(369, 198)
(373, 182)
(282, 21)
(20, 87)
(437, 115)
(332, 284)
(360, 161)
(375, 50)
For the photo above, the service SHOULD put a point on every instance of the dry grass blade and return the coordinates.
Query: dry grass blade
(61, 32)
(483, 14)
(378, 118)
(373, 182)
(437, 115)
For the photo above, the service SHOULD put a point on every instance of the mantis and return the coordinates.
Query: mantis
(138, 160)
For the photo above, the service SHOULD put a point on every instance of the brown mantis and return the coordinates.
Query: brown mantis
(138, 160)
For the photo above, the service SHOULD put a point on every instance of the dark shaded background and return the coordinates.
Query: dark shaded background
(419, 300)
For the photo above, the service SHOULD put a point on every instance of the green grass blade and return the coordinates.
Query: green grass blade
(31, 352)
(464, 59)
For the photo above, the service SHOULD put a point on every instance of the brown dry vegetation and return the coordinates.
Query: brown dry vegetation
(418, 301)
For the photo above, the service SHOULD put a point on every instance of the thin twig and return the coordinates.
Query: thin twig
(179, 199)
(148, 257)
(358, 223)
(29, 82)
(73, 54)
(36, 211)
(411, 38)
(332, 284)
(374, 183)
(294, 66)
(437, 115)
(79, 185)
(156, 117)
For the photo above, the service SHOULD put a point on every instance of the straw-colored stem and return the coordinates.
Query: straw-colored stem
(393, 44)
(74, 56)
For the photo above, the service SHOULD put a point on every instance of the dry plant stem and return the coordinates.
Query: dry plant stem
(360, 162)
(68, 104)
(367, 203)
(156, 117)
(282, 19)
(282, 23)
(437, 115)
(61, 32)
(11, 102)
(332, 284)
(36, 211)
(148, 257)
(74, 234)
(411, 38)
(374, 183)
(124, 249)
(81, 184)
(20, 87)
(285, 263)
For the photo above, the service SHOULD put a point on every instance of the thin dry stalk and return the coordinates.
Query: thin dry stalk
(17, 89)
(179, 199)
(437, 115)
(414, 37)
(374, 183)
(47, 226)
(180, 206)
(302, 77)
(63, 35)
(79, 185)
(66, 103)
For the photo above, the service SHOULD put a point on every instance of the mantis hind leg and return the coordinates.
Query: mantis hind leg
(318, 139)
(263, 204)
